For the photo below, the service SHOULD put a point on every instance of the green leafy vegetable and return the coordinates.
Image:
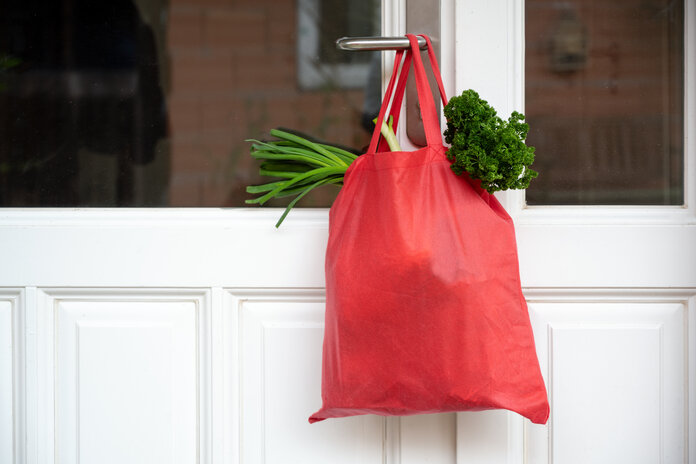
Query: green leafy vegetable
(300, 163)
(486, 146)
(387, 131)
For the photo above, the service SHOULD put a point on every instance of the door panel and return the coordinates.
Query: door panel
(606, 254)
(278, 338)
(615, 366)
(126, 371)
(9, 312)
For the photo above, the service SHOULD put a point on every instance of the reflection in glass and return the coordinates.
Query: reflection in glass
(604, 101)
(148, 102)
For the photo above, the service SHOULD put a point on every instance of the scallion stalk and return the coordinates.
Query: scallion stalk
(299, 165)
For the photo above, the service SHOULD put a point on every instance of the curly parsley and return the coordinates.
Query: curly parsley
(487, 147)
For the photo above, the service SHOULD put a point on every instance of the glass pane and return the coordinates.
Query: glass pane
(604, 101)
(148, 102)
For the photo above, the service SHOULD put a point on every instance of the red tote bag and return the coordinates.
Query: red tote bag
(424, 310)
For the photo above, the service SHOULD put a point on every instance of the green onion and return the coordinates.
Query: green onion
(299, 165)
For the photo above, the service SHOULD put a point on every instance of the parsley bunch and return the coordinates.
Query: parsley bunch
(487, 147)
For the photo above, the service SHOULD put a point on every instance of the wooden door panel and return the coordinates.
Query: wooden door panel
(120, 375)
(9, 348)
(279, 341)
(615, 367)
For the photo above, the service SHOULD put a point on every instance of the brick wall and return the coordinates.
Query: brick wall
(234, 76)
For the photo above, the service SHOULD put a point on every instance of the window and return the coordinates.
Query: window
(604, 101)
(149, 103)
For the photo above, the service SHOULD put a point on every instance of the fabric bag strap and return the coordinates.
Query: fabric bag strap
(431, 126)
(387, 97)
(427, 109)
(397, 98)
(435, 68)
(401, 87)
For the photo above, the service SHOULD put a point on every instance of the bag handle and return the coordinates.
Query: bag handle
(395, 110)
(387, 97)
(401, 87)
(436, 69)
(433, 136)
(397, 97)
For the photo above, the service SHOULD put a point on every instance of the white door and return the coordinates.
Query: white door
(194, 335)
(611, 284)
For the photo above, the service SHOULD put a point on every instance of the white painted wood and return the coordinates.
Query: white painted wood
(691, 380)
(479, 437)
(218, 366)
(163, 248)
(574, 266)
(598, 256)
(616, 373)
(120, 376)
(128, 375)
(490, 437)
(279, 343)
(429, 438)
(32, 386)
(7, 376)
(230, 372)
(619, 375)
(491, 63)
(300, 245)
(12, 376)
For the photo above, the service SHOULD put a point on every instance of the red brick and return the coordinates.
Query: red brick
(233, 28)
(201, 73)
(264, 72)
(185, 29)
(184, 116)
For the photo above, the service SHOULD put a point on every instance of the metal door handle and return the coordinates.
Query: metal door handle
(422, 17)
(377, 43)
